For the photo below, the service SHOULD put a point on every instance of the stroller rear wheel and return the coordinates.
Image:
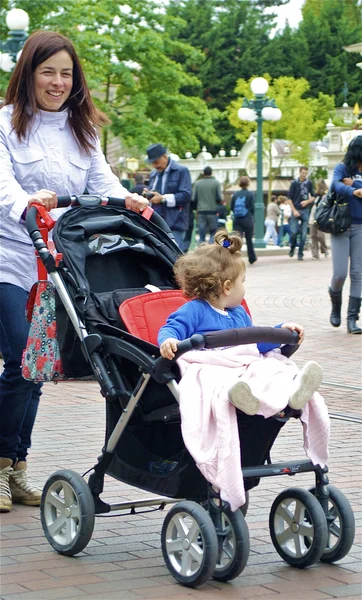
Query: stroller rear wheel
(189, 543)
(235, 547)
(67, 512)
(298, 527)
(341, 525)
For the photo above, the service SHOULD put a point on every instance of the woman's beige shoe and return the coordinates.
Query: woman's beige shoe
(6, 468)
(21, 490)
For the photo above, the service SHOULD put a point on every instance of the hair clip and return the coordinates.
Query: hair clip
(226, 243)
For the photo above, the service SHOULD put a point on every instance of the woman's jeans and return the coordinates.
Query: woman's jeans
(19, 398)
(344, 246)
(271, 231)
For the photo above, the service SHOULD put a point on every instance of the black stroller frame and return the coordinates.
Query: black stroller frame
(305, 526)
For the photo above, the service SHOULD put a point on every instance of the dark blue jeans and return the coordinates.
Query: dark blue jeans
(294, 229)
(19, 398)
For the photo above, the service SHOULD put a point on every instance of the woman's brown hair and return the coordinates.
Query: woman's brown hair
(321, 187)
(244, 182)
(83, 115)
(202, 273)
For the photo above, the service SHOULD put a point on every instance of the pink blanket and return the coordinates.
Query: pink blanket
(208, 419)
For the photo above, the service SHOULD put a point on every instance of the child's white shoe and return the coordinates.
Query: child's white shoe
(241, 397)
(305, 384)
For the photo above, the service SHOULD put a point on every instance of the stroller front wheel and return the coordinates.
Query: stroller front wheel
(235, 547)
(189, 543)
(67, 512)
(341, 526)
(298, 527)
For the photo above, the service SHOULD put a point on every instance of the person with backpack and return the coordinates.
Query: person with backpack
(243, 206)
(272, 215)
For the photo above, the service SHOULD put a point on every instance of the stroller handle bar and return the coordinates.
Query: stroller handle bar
(229, 337)
(65, 201)
(86, 201)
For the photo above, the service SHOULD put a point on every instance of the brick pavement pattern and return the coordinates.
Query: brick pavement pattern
(123, 560)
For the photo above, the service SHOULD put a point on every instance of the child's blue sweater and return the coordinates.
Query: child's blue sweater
(197, 316)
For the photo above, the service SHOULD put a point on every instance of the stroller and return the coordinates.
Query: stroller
(106, 326)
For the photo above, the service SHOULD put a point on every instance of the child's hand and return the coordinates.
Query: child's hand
(168, 348)
(295, 327)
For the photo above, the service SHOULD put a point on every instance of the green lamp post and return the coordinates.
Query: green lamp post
(260, 109)
(17, 21)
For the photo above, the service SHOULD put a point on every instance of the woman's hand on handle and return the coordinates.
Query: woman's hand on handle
(295, 327)
(136, 202)
(46, 198)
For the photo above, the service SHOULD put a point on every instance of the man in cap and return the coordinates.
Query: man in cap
(170, 184)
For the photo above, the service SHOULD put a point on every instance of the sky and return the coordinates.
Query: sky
(290, 12)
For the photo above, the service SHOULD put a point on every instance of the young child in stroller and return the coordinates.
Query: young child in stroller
(213, 276)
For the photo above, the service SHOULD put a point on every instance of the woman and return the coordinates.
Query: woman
(270, 223)
(243, 207)
(347, 181)
(48, 147)
(285, 214)
(317, 237)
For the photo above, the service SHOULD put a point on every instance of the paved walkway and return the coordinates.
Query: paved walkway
(123, 561)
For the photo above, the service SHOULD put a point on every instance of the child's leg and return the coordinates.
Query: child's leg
(305, 384)
(240, 395)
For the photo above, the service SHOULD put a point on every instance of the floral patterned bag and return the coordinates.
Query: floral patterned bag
(41, 357)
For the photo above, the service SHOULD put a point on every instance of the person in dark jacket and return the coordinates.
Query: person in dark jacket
(347, 246)
(301, 197)
(170, 184)
(207, 196)
(245, 223)
(139, 185)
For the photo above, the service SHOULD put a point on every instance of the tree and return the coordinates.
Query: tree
(303, 119)
(127, 59)
(233, 37)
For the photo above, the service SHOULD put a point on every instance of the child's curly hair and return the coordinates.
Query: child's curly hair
(203, 272)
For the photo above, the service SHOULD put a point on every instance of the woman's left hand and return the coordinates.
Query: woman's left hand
(136, 202)
(295, 327)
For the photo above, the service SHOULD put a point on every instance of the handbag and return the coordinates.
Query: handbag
(41, 357)
(332, 214)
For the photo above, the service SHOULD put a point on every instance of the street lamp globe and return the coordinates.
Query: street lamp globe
(247, 114)
(270, 113)
(17, 19)
(259, 86)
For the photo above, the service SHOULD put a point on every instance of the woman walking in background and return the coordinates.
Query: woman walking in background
(272, 215)
(347, 182)
(317, 237)
(285, 214)
(243, 206)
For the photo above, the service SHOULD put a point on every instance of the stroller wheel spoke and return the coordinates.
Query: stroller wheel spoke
(186, 561)
(174, 545)
(285, 537)
(193, 532)
(56, 526)
(55, 500)
(285, 514)
(196, 553)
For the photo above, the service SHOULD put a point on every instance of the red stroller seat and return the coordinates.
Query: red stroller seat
(144, 315)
